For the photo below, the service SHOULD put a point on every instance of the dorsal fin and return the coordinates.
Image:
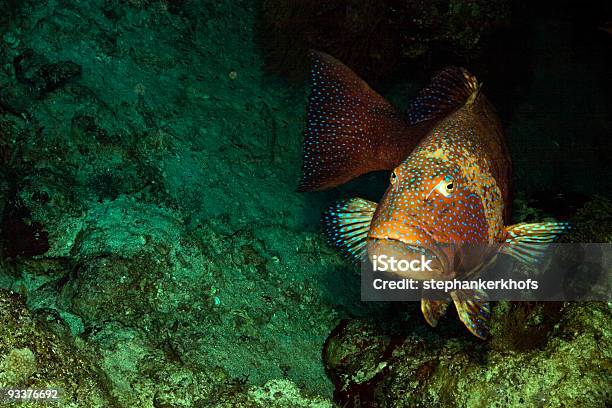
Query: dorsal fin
(449, 89)
(351, 129)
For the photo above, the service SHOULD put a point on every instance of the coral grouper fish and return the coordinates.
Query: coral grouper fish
(449, 182)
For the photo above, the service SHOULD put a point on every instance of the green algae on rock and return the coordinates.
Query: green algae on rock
(572, 367)
(161, 189)
(33, 356)
(593, 222)
(273, 394)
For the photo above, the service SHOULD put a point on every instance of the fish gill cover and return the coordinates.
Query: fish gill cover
(154, 249)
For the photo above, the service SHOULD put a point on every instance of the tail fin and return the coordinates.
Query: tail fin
(351, 129)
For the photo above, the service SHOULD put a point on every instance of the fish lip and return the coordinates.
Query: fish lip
(432, 252)
(435, 248)
(437, 269)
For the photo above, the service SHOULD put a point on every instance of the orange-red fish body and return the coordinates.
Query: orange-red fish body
(466, 152)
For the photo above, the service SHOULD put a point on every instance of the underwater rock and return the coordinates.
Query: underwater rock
(32, 356)
(15, 99)
(569, 367)
(115, 366)
(170, 328)
(86, 126)
(18, 365)
(593, 222)
(41, 76)
(121, 254)
(273, 394)
(355, 360)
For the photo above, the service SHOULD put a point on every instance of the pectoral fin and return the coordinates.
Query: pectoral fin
(347, 224)
(528, 242)
(473, 310)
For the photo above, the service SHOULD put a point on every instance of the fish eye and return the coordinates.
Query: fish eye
(445, 187)
(393, 178)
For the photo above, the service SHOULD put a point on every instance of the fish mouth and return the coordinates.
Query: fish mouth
(410, 260)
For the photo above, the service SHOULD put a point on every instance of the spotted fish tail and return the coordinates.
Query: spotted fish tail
(351, 130)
